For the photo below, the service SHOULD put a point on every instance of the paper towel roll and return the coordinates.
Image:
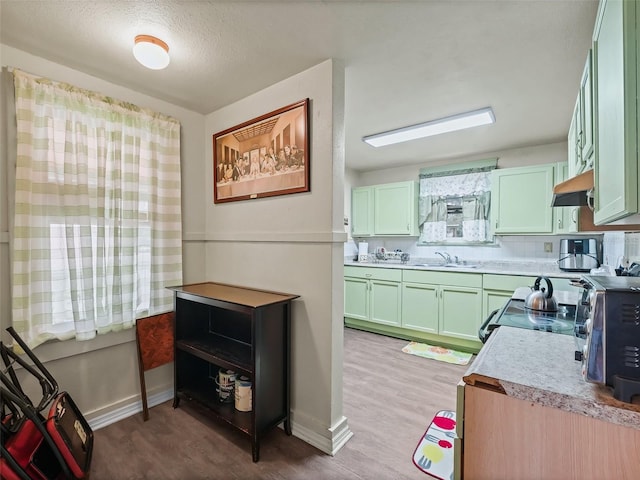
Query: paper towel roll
(363, 248)
(363, 251)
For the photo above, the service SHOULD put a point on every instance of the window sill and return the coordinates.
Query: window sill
(56, 350)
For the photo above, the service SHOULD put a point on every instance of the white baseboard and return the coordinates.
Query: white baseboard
(326, 440)
(341, 433)
(128, 410)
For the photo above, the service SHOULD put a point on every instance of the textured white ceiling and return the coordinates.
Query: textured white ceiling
(406, 61)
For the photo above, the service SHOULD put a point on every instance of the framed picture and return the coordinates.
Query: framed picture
(263, 157)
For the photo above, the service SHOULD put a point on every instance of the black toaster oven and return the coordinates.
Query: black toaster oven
(609, 341)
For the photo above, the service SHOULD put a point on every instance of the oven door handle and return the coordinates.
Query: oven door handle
(481, 333)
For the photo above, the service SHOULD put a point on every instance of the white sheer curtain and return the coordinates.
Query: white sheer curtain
(470, 188)
(97, 221)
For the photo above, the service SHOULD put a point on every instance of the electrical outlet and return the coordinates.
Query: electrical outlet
(548, 247)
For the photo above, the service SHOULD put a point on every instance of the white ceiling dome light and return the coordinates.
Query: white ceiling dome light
(151, 52)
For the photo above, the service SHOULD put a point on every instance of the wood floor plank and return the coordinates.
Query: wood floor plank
(389, 399)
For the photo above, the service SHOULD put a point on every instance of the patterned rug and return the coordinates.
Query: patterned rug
(434, 452)
(437, 353)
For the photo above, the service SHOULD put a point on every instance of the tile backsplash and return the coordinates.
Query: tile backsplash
(509, 248)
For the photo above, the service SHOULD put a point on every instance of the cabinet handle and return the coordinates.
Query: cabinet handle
(368, 275)
(560, 223)
(407, 227)
(574, 215)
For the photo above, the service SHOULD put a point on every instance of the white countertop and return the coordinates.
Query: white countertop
(549, 269)
(540, 367)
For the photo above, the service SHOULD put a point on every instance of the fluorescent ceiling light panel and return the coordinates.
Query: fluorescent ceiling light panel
(461, 121)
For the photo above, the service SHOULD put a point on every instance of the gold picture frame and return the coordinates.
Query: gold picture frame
(263, 157)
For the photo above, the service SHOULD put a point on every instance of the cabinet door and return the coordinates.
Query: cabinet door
(460, 312)
(420, 307)
(356, 298)
(494, 299)
(521, 199)
(361, 212)
(565, 218)
(574, 147)
(385, 302)
(615, 77)
(586, 111)
(395, 209)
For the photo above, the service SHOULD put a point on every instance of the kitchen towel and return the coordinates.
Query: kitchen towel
(437, 353)
(434, 453)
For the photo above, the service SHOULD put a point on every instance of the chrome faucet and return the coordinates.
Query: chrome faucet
(445, 256)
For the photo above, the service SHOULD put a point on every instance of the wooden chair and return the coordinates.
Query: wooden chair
(154, 339)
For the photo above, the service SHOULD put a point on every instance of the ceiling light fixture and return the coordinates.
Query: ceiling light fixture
(151, 52)
(461, 121)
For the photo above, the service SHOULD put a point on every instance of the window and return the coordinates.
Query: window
(97, 222)
(454, 204)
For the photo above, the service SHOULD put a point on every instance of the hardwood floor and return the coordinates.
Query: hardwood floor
(389, 399)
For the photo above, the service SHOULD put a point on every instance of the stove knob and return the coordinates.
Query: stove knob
(578, 356)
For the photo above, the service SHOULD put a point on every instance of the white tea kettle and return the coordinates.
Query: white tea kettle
(541, 300)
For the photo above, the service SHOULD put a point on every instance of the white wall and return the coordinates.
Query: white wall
(102, 374)
(294, 244)
(549, 153)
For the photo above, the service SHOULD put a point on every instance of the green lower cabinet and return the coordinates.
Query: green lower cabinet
(435, 307)
(445, 303)
(356, 298)
(420, 307)
(461, 312)
(372, 294)
(494, 300)
(445, 310)
(385, 302)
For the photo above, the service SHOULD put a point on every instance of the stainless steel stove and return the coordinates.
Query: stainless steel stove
(515, 314)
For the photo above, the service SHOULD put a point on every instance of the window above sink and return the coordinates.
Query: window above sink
(454, 204)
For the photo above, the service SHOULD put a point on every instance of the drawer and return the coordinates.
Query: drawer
(454, 279)
(506, 282)
(373, 273)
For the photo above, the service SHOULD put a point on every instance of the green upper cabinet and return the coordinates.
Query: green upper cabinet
(574, 148)
(586, 112)
(580, 135)
(362, 212)
(565, 218)
(389, 209)
(521, 199)
(615, 88)
(395, 209)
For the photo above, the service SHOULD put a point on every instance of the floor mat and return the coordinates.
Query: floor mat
(434, 453)
(437, 353)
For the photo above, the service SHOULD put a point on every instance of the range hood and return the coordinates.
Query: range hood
(573, 192)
